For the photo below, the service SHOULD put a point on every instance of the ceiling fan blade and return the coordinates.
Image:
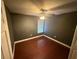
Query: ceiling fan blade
(69, 5)
(63, 9)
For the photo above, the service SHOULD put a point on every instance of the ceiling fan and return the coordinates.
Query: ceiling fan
(43, 13)
(65, 8)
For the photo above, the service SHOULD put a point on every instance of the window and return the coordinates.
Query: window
(40, 26)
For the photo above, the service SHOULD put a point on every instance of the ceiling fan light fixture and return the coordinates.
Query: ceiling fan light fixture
(43, 13)
(42, 17)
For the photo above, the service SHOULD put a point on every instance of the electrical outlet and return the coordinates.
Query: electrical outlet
(31, 34)
(54, 36)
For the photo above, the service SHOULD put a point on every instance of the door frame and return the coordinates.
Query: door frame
(73, 46)
(5, 42)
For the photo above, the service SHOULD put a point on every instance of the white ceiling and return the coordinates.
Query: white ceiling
(32, 7)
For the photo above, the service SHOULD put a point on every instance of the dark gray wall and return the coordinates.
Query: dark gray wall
(61, 26)
(10, 27)
(24, 26)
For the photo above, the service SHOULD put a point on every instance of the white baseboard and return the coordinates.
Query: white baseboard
(57, 41)
(27, 39)
(40, 36)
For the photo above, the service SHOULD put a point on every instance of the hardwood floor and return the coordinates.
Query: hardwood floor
(40, 48)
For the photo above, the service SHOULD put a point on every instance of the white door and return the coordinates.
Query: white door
(5, 38)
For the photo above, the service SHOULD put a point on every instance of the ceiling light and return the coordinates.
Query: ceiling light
(42, 14)
(42, 17)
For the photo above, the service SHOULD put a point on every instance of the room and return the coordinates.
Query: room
(39, 29)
